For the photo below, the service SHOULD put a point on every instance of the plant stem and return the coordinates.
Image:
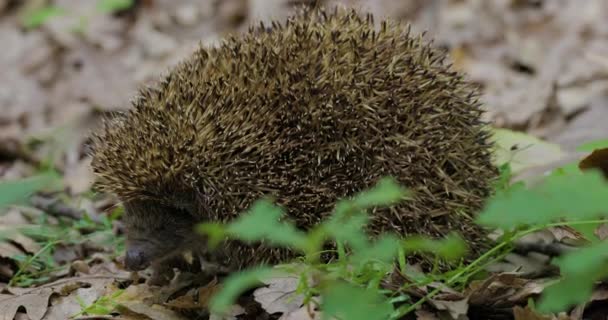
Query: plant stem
(402, 312)
(29, 261)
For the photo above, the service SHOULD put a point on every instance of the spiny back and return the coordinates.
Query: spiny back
(309, 111)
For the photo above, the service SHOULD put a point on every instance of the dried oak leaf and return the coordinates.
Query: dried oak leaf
(35, 304)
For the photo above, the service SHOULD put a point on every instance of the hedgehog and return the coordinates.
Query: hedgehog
(310, 110)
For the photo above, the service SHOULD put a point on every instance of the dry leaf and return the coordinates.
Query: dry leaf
(425, 315)
(457, 309)
(598, 159)
(601, 232)
(155, 312)
(8, 250)
(527, 314)
(70, 290)
(197, 299)
(35, 304)
(303, 313)
(279, 296)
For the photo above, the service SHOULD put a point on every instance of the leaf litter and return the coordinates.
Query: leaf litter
(542, 66)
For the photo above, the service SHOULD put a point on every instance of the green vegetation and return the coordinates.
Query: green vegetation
(39, 15)
(351, 286)
(39, 266)
(567, 197)
(102, 306)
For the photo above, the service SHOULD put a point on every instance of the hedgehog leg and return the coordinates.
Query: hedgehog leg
(163, 271)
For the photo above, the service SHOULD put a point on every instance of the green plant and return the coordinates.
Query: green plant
(566, 197)
(16, 191)
(37, 267)
(110, 6)
(102, 306)
(576, 199)
(37, 17)
(361, 265)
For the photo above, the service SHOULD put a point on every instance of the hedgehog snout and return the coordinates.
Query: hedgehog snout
(136, 258)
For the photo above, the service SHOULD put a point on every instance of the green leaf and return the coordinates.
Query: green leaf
(262, 222)
(347, 228)
(577, 197)
(593, 145)
(384, 193)
(235, 285)
(567, 170)
(214, 231)
(564, 294)
(452, 247)
(38, 17)
(345, 301)
(110, 6)
(17, 191)
(505, 175)
(349, 217)
(580, 270)
(98, 309)
(385, 249)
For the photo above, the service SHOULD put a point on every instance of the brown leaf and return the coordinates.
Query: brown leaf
(495, 289)
(567, 234)
(197, 299)
(155, 312)
(530, 289)
(457, 309)
(8, 250)
(527, 314)
(598, 159)
(68, 293)
(35, 304)
(425, 315)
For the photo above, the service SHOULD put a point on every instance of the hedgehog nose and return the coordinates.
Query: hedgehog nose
(135, 260)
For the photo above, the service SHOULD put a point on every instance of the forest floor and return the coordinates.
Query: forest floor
(64, 64)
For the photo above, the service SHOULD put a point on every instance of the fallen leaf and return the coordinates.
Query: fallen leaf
(280, 295)
(8, 250)
(494, 289)
(527, 314)
(68, 293)
(155, 312)
(601, 232)
(35, 304)
(195, 299)
(457, 309)
(425, 315)
(598, 159)
(303, 313)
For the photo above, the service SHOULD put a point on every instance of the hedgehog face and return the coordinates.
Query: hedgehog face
(155, 232)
